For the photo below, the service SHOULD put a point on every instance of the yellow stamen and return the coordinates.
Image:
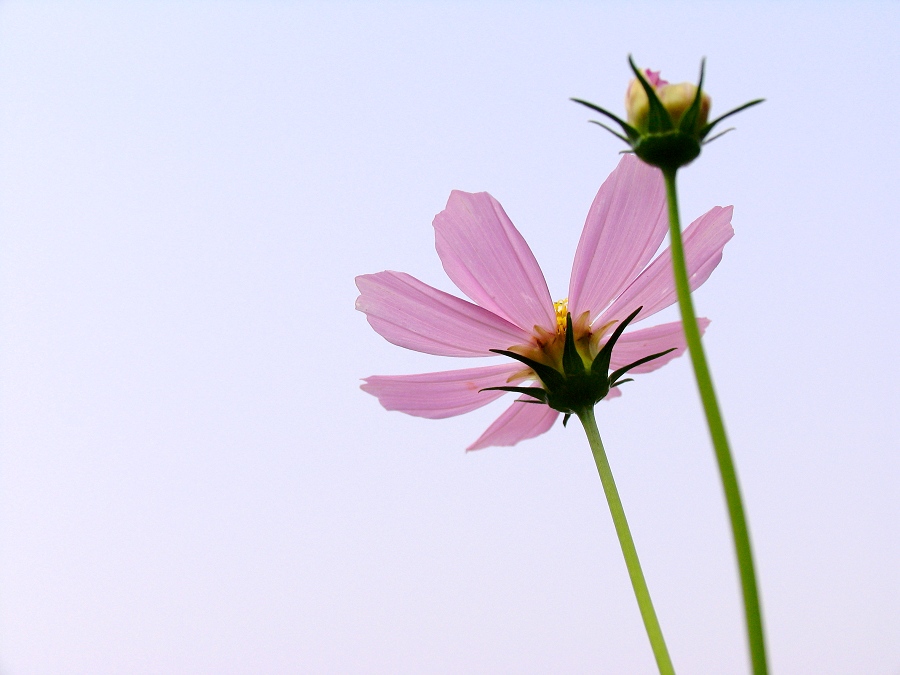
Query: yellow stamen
(562, 308)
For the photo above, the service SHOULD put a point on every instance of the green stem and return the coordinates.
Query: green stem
(628, 550)
(752, 610)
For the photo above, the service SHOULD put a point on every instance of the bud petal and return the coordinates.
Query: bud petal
(677, 98)
(637, 106)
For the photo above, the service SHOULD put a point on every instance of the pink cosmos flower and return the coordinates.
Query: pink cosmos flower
(489, 261)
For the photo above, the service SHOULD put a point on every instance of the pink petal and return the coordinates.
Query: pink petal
(637, 344)
(486, 257)
(440, 395)
(519, 422)
(654, 289)
(653, 77)
(624, 228)
(414, 315)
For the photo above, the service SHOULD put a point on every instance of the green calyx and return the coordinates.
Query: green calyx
(664, 143)
(579, 386)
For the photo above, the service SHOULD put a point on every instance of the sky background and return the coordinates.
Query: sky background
(191, 480)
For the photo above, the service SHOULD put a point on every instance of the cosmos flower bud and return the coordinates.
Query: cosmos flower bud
(667, 124)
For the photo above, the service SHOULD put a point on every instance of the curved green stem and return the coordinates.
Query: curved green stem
(752, 610)
(628, 550)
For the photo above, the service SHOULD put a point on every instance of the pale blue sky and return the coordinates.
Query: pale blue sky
(190, 479)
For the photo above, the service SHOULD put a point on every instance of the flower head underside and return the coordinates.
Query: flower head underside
(615, 280)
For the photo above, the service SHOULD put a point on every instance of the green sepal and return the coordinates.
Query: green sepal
(600, 364)
(718, 135)
(566, 418)
(704, 132)
(571, 359)
(549, 376)
(629, 130)
(616, 374)
(537, 392)
(658, 118)
(669, 150)
(610, 130)
(616, 384)
(689, 119)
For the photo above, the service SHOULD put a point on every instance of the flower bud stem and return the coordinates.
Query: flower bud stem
(663, 662)
(752, 610)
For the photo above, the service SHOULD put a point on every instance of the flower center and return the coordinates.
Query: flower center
(547, 346)
(561, 307)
